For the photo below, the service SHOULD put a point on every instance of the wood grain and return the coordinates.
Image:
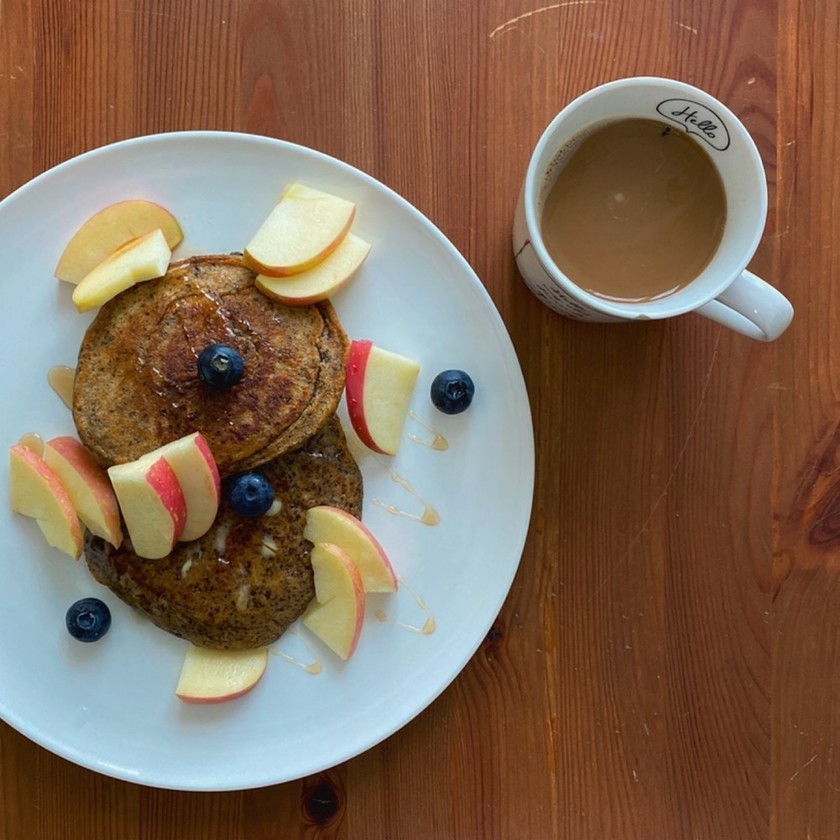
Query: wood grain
(667, 663)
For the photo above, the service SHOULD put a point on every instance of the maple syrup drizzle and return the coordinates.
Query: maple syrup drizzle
(33, 442)
(439, 443)
(429, 516)
(313, 667)
(429, 625)
(61, 379)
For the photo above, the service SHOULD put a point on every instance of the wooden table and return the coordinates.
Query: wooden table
(667, 662)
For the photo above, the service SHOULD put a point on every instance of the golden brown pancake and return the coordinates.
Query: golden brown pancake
(246, 580)
(137, 386)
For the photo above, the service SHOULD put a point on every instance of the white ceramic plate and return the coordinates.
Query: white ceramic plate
(110, 706)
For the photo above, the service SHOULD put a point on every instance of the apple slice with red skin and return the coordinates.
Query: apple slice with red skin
(36, 491)
(152, 505)
(378, 388)
(109, 229)
(195, 468)
(328, 524)
(302, 229)
(337, 612)
(87, 485)
(321, 281)
(216, 676)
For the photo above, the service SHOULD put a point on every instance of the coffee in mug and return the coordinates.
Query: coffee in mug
(636, 213)
(646, 198)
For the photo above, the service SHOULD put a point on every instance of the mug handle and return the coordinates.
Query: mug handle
(751, 307)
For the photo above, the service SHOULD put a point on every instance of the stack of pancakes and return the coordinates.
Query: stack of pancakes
(137, 388)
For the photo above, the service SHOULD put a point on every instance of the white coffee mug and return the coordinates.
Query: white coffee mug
(724, 290)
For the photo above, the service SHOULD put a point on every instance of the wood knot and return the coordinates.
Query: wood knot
(825, 528)
(323, 802)
(494, 639)
(809, 534)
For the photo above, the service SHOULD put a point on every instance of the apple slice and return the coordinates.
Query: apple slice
(152, 505)
(36, 491)
(87, 485)
(134, 262)
(300, 231)
(214, 676)
(195, 467)
(336, 614)
(110, 228)
(322, 280)
(379, 385)
(328, 524)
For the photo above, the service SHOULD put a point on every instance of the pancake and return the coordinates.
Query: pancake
(246, 580)
(137, 386)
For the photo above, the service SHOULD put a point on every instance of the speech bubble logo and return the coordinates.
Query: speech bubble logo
(696, 119)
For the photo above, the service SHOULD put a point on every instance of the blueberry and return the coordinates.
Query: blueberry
(452, 391)
(220, 366)
(88, 620)
(250, 494)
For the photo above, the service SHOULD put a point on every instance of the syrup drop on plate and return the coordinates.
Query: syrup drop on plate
(429, 625)
(438, 442)
(33, 442)
(61, 379)
(429, 516)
